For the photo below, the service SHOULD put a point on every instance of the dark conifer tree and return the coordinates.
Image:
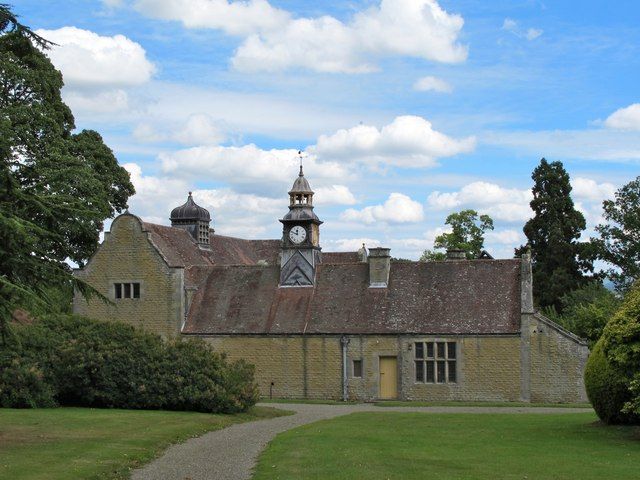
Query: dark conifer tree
(559, 260)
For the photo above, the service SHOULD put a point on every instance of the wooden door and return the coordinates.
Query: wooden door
(388, 378)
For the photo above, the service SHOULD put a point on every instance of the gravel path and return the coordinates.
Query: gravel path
(231, 453)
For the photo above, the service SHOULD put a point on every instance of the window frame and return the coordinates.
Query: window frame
(438, 361)
(354, 370)
(127, 290)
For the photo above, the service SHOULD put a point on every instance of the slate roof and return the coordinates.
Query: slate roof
(466, 297)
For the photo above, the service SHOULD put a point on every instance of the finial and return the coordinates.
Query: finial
(300, 155)
(190, 193)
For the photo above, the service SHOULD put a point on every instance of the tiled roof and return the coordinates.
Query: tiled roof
(237, 251)
(340, 257)
(176, 245)
(467, 297)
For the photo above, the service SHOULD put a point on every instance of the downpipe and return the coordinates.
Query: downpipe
(344, 341)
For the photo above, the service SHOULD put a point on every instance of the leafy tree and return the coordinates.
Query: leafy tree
(586, 310)
(620, 347)
(56, 186)
(467, 234)
(559, 260)
(619, 242)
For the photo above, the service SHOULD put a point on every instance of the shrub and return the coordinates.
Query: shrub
(77, 361)
(607, 388)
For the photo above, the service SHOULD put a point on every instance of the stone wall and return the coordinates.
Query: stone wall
(298, 366)
(557, 361)
(125, 256)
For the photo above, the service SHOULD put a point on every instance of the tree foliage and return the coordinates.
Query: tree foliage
(56, 186)
(66, 360)
(586, 310)
(467, 234)
(620, 346)
(619, 242)
(559, 260)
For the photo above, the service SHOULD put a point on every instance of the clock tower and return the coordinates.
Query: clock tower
(300, 237)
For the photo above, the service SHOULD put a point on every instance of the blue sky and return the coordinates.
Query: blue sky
(406, 110)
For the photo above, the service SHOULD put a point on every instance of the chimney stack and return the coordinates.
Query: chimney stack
(379, 266)
(456, 254)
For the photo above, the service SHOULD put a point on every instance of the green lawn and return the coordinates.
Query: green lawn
(83, 443)
(399, 403)
(406, 446)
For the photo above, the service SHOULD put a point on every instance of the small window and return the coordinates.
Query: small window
(127, 290)
(430, 350)
(357, 368)
(441, 346)
(419, 350)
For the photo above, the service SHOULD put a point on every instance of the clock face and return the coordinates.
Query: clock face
(297, 234)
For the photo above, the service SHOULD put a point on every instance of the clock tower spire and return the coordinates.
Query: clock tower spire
(301, 252)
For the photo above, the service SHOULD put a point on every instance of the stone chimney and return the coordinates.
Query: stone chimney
(379, 266)
(526, 284)
(456, 254)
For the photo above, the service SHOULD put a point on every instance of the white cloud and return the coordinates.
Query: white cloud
(266, 170)
(591, 144)
(105, 102)
(351, 244)
(154, 196)
(274, 40)
(627, 118)
(513, 27)
(334, 195)
(505, 237)
(233, 18)
(508, 204)
(87, 59)
(590, 190)
(198, 129)
(435, 84)
(408, 141)
(398, 208)
(533, 33)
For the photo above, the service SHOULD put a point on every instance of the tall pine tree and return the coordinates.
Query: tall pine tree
(559, 260)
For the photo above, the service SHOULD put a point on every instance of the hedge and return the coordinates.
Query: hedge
(70, 360)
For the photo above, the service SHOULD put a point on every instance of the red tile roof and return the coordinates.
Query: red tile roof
(467, 297)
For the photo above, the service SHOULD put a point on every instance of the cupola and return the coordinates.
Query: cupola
(193, 218)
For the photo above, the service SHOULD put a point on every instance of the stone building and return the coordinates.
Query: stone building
(354, 325)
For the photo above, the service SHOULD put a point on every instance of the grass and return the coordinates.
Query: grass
(407, 446)
(399, 403)
(84, 443)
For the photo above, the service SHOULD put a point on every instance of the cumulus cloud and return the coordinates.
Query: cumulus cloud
(106, 102)
(248, 165)
(398, 208)
(233, 18)
(426, 84)
(334, 195)
(87, 59)
(274, 40)
(508, 204)
(627, 118)
(351, 244)
(588, 189)
(408, 141)
(198, 129)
